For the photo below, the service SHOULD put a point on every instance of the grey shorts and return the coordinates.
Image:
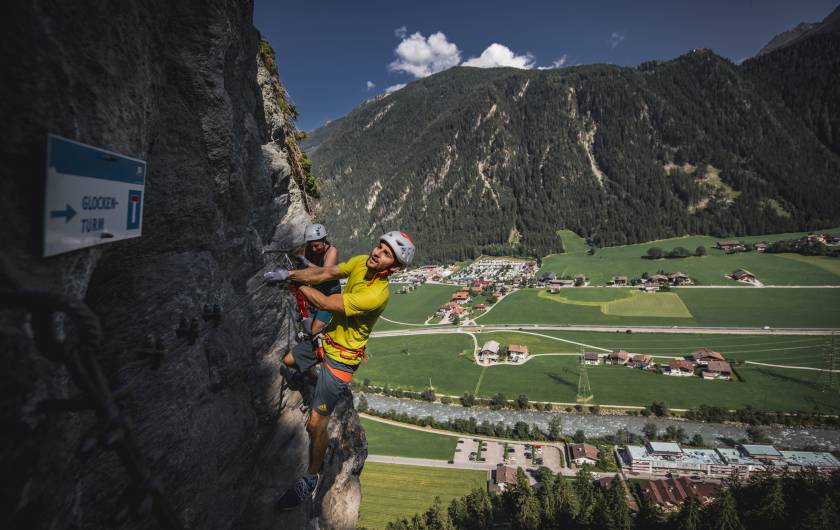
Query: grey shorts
(328, 388)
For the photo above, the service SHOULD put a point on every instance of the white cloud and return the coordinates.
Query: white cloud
(371, 85)
(394, 88)
(500, 55)
(616, 38)
(422, 57)
(401, 32)
(560, 61)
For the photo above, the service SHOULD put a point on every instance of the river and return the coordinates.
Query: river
(594, 426)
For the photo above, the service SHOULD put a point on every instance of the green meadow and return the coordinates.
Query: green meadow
(552, 374)
(712, 269)
(389, 440)
(391, 491)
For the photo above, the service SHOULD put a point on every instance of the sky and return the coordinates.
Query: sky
(333, 54)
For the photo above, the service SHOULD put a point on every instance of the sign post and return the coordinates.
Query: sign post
(93, 196)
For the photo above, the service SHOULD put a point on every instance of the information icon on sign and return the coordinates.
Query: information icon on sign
(135, 207)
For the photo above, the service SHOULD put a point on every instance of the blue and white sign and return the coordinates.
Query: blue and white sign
(93, 196)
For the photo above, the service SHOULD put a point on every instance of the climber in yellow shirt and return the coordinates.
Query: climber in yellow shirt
(354, 313)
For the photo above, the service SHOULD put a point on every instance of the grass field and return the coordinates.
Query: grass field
(415, 307)
(388, 440)
(810, 307)
(391, 491)
(554, 377)
(771, 269)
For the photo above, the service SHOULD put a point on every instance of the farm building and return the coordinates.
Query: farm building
(730, 245)
(704, 356)
(641, 361)
(618, 281)
(679, 368)
(517, 352)
(718, 370)
(678, 278)
(742, 275)
(489, 352)
(590, 357)
(618, 357)
(582, 454)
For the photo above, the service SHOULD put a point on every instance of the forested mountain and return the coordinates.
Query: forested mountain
(496, 160)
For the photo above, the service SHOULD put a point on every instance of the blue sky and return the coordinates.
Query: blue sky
(335, 54)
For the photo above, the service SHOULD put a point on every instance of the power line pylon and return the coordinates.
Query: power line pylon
(584, 393)
(828, 378)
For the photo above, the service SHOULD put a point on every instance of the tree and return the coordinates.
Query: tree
(579, 437)
(722, 514)
(697, 440)
(679, 252)
(525, 504)
(650, 517)
(520, 430)
(522, 402)
(428, 395)
(555, 427)
(456, 320)
(688, 517)
(649, 430)
(362, 406)
(654, 253)
(467, 400)
(436, 518)
(769, 509)
(498, 401)
(660, 408)
(586, 497)
(757, 435)
(700, 251)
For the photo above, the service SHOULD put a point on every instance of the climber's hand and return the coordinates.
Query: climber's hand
(278, 275)
(303, 261)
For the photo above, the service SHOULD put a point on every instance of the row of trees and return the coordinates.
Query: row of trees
(806, 501)
(675, 253)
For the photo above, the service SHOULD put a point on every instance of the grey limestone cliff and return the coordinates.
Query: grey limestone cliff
(184, 87)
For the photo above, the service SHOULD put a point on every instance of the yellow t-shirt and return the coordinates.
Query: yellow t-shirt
(363, 304)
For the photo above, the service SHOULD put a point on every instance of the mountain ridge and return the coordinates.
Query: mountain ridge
(495, 161)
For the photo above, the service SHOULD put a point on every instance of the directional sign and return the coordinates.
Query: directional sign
(93, 196)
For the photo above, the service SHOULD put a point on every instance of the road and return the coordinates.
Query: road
(437, 329)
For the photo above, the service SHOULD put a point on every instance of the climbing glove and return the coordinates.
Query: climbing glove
(278, 275)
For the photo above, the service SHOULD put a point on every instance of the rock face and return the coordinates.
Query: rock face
(185, 88)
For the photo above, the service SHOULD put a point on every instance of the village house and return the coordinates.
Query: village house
(480, 307)
(742, 275)
(702, 357)
(659, 278)
(489, 352)
(679, 278)
(590, 357)
(618, 357)
(561, 282)
(517, 352)
(730, 245)
(718, 370)
(502, 477)
(670, 493)
(679, 368)
(618, 281)
(461, 297)
(580, 279)
(644, 362)
(582, 454)
(649, 286)
(761, 247)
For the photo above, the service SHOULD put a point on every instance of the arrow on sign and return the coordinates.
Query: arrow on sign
(68, 213)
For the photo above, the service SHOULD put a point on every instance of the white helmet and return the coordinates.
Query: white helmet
(314, 232)
(401, 244)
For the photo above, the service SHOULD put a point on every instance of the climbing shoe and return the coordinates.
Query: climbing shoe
(293, 378)
(300, 491)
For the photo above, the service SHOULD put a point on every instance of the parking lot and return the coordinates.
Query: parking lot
(492, 454)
